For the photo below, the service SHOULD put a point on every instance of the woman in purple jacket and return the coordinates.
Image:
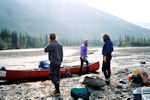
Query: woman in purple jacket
(106, 52)
(83, 57)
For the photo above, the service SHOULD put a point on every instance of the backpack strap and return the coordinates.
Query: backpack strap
(88, 91)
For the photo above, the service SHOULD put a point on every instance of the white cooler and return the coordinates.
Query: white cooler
(142, 93)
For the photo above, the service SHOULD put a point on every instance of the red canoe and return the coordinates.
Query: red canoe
(37, 74)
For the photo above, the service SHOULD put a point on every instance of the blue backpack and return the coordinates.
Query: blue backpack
(44, 65)
(83, 93)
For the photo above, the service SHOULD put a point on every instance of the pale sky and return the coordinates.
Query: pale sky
(130, 10)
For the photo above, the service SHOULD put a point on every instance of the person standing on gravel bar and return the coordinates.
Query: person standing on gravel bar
(83, 57)
(106, 52)
(55, 50)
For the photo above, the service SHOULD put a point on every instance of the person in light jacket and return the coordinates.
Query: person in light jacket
(83, 57)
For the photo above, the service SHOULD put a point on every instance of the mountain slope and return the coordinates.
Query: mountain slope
(68, 18)
(144, 25)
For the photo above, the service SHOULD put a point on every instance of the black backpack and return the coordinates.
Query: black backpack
(137, 79)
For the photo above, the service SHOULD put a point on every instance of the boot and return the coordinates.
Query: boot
(87, 70)
(56, 92)
(80, 72)
(107, 81)
(57, 88)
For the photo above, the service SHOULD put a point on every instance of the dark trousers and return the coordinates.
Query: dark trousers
(106, 67)
(87, 65)
(54, 73)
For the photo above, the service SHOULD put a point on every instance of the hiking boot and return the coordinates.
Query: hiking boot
(107, 81)
(55, 93)
(79, 73)
(86, 72)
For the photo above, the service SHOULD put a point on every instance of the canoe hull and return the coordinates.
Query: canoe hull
(37, 74)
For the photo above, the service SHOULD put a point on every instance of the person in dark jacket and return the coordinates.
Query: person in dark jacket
(83, 57)
(106, 52)
(55, 51)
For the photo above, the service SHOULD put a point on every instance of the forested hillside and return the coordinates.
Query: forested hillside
(70, 19)
(15, 40)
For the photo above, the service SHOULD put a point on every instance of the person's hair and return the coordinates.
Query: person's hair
(85, 41)
(52, 36)
(105, 37)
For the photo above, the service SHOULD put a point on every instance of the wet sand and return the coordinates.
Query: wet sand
(123, 63)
